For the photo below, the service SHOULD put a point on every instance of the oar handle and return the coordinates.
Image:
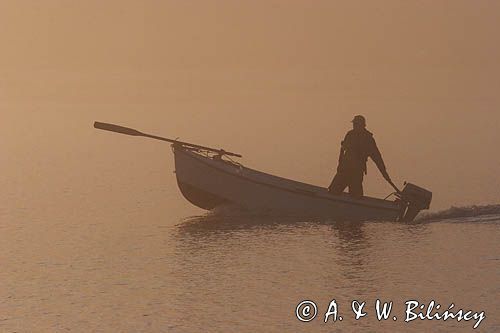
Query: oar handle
(394, 186)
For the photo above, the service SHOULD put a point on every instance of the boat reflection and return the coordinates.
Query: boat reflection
(215, 224)
(344, 236)
(336, 250)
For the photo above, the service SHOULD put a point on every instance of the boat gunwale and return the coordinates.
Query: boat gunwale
(200, 158)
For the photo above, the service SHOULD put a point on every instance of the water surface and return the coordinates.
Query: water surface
(135, 270)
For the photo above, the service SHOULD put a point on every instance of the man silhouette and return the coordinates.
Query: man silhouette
(357, 146)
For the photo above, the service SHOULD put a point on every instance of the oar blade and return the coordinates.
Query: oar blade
(116, 128)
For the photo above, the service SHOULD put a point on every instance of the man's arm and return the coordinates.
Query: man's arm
(377, 158)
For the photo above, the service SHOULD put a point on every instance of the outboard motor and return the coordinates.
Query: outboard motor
(413, 200)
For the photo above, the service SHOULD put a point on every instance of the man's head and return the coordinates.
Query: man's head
(359, 122)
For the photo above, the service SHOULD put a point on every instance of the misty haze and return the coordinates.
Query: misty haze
(95, 234)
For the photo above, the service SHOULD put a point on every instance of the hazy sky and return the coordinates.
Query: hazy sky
(278, 81)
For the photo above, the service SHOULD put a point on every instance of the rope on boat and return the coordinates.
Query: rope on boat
(209, 154)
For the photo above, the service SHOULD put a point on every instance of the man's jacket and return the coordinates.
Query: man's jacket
(355, 150)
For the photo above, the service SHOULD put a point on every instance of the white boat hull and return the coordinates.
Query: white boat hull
(209, 182)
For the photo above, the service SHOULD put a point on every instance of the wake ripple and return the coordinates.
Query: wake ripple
(461, 212)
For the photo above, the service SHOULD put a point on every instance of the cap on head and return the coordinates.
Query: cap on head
(359, 119)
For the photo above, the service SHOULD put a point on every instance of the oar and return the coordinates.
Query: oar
(131, 131)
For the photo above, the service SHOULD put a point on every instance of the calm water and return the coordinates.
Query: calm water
(233, 273)
(111, 249)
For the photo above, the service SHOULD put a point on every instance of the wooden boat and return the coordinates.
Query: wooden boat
(209, 179)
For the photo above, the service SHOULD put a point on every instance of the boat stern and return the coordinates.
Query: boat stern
(413, 200)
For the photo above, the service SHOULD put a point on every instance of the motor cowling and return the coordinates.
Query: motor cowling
(413, 199)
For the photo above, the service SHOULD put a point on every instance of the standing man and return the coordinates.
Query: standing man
(357, 146)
